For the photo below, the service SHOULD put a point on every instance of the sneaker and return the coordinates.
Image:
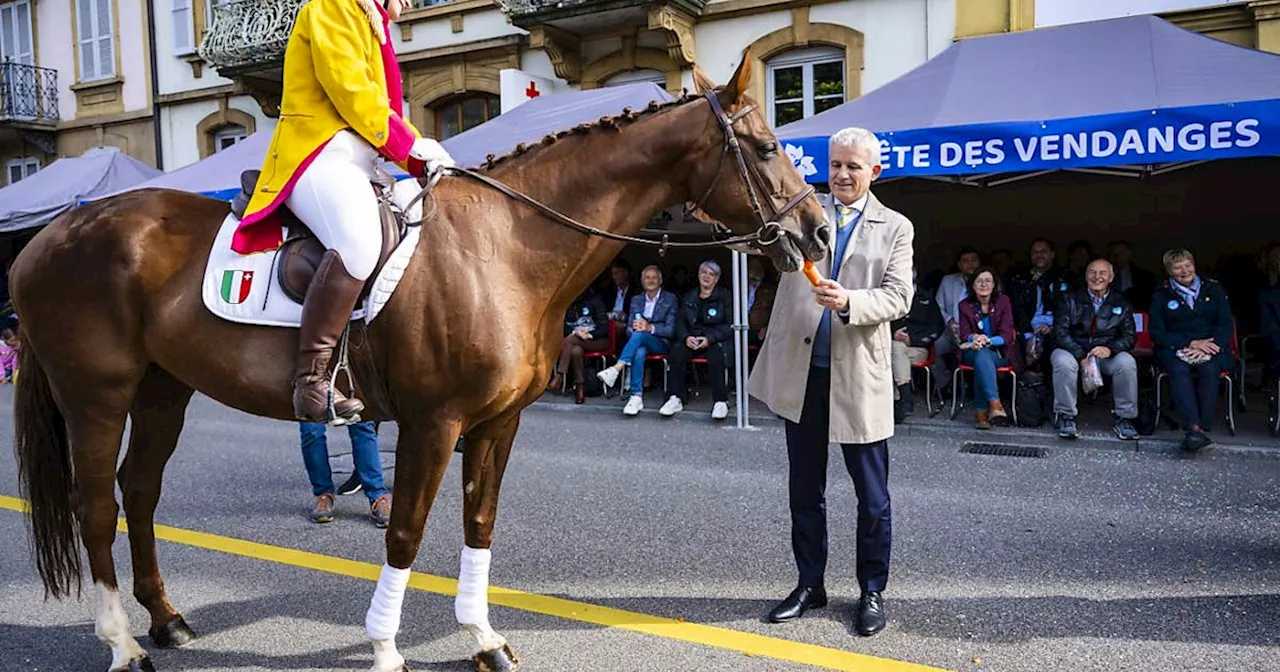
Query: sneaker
(1125, 430)
(609, 376)
(634, 405)
(380, 510)
(673, 406)
(322, 512)
(720, 411)
(351, 486)
(1067, 428)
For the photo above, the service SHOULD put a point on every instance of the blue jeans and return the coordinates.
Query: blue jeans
(984, 363)
(364, 455)
(640, 345)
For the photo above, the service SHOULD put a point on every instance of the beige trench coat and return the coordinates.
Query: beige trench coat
(876, 271)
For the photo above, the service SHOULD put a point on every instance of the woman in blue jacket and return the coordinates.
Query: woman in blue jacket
(651, 327)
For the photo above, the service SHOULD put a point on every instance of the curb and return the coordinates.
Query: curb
(935, 429)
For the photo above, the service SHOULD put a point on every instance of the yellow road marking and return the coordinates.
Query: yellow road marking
(743, 642)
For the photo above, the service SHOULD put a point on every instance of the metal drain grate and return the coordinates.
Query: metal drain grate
(1003, 449)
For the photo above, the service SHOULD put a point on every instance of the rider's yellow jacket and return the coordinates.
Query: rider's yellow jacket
(340, 72)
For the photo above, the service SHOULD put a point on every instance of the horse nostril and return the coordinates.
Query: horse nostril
(823, 234)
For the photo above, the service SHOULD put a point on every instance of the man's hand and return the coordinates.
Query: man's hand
(1100, 352)
(691, 342)
(902, 335)
(1043, 330)
(760, 332)
(641, 324)
(1205, 345)
(830, 294)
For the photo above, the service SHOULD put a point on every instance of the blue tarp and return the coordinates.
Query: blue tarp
(219, 175)
(67, 182)
(1130, 91)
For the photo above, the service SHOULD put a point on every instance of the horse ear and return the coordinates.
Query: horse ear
(701, 81)
(740, 83)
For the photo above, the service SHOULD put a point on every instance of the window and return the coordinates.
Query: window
(15, 32)
(466, 113)
(23, 168)
(184, 28)
(97, 45)
(226, 136)
(641, 75)
(804, 83)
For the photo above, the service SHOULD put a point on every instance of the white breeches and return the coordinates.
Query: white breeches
(334, 199)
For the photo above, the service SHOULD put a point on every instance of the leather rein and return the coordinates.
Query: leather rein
(768, 233)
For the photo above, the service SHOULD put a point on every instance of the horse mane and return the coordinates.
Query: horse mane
(606, 123)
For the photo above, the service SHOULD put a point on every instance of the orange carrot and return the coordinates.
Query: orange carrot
(811, 272)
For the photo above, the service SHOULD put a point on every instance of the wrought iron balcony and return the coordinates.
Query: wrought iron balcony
(248, 33)
(583, 17)
(28, 94)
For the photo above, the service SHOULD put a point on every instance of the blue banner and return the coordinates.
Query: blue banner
(1227, 131)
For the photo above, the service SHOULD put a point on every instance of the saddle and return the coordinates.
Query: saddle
(301, 251)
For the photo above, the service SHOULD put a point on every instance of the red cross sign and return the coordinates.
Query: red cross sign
(532, 92)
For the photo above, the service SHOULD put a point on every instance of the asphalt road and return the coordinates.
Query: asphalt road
(1083, 560)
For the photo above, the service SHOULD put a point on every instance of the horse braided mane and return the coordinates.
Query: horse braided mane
(613, 123)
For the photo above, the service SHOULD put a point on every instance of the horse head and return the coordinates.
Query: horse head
(747, 182)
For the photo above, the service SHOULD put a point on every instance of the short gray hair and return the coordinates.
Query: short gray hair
(711, 264)
(859, 140)
(1174, 256)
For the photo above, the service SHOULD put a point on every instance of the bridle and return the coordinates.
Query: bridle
(767, 233)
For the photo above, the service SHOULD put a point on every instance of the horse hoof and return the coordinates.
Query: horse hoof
(496, 660)
(142, 664)
(172, 635)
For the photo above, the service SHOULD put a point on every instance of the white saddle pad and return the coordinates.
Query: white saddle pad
(244, 287)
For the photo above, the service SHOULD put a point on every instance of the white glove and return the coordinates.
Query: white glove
(432, 154)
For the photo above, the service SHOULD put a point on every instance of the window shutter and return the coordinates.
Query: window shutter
(183, 28)
(86, 28)
(106, 44)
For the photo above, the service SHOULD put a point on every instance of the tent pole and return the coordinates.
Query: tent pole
(740, 337)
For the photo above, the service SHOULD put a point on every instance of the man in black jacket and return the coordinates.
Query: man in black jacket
(1034, 292)
(913, 336)
(1095, 323)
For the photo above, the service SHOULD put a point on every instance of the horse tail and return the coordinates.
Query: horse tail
(45, 477)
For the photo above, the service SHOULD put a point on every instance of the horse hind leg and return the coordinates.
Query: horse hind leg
(158, 414)
(422, 457)
(484, 462)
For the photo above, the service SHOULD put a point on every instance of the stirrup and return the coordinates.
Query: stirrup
(341, 365)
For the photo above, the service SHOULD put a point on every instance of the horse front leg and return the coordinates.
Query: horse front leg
(484, 461)
(422, 457)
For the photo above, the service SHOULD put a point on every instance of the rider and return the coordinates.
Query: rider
(339, 111)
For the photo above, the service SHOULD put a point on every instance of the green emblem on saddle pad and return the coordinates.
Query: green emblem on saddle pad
(235, 286)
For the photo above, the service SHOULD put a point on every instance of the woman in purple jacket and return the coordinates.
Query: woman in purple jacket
(988, 341)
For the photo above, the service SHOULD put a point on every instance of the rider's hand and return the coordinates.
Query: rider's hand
(431, 155)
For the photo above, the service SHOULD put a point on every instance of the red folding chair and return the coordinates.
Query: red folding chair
(927, 366)
(957, 403)
(1227, 375)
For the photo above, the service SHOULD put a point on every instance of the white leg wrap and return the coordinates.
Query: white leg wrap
(112, 627)
(472, 605)
(382, 621)
(385, 657)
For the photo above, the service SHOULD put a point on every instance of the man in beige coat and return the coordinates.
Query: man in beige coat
(825, 368)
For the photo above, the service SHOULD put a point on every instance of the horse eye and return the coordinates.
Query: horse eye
(769, 150)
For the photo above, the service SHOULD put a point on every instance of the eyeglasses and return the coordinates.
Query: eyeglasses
(983, 281)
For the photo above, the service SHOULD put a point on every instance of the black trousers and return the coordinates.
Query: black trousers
(1195, 390)
(868, 464)
(678, 360)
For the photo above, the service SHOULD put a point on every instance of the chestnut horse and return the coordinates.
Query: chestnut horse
(114, 329)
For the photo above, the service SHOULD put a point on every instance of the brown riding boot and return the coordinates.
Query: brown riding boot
(998, 416)
(981, 421)
(325, 312)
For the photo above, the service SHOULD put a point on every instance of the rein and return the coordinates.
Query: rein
(768, 233)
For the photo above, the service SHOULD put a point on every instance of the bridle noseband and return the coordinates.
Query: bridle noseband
(768, 233)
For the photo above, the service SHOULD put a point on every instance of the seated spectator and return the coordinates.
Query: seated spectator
(1079, 254)
(586, 328)
(1191, 328)
(951, 290)
(913, 335)
(704, 328)
(1034, 292)
(988, 341)
(1134, 282)
(1096, 322)
(617, 296)
(649, 332)
(760, 292)
(1003, 264)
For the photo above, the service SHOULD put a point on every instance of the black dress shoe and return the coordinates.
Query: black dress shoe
(799, 601)
(871, 614)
